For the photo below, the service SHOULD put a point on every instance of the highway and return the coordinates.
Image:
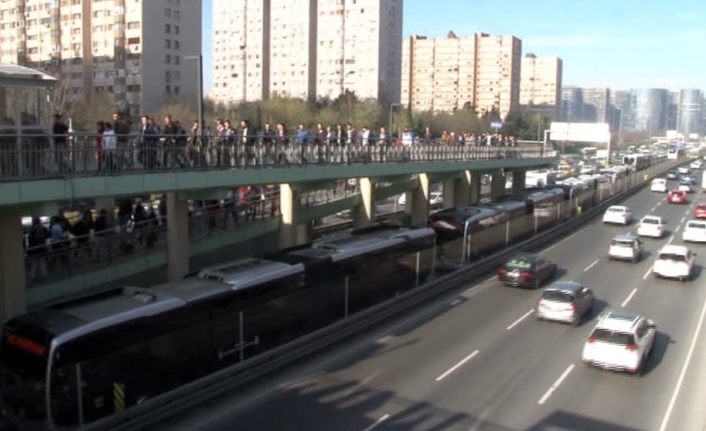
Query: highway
(477, 359)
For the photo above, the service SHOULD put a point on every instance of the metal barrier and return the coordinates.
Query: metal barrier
(31, 157)
(156, 410)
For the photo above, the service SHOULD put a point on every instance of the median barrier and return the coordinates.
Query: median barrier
(160, 409)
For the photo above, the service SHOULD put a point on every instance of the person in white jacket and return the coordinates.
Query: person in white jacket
(110, 143)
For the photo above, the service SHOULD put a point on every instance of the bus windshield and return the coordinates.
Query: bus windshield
(22, 376)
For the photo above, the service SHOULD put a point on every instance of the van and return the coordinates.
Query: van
(659, 185)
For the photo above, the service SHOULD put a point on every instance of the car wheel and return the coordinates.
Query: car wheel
(576, 321)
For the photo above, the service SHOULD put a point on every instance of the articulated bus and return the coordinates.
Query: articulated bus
(675, 152)
(74, 363)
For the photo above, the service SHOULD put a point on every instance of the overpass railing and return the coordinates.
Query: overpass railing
(29, 157)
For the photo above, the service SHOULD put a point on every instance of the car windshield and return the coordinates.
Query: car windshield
(623, 243)
(612, 337)
(557, 296)
(672, 257)
(521, 262)
(650, 221)
(615, 210)
(696, 225)
(701, 207)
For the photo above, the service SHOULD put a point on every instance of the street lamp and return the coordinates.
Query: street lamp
(392, 106)
(199, 83)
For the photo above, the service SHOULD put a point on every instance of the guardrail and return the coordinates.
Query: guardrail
(157, 410)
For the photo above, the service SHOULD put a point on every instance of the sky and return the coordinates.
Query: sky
(616, 43)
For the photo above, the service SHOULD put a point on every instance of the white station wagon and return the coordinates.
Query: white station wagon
(651, 226)
(694, 231)
(618, 214)
(674, 261)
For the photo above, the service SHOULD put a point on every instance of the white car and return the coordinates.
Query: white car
(618, 214)
(621, 341)
(674, 261)
(659, 185)
(684, 170)
(694, 231)
(625, 247)
(651, 226)
(687, 188)
(697, 165)
(435, 198)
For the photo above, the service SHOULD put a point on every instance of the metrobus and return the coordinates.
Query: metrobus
(675, 152)
(589, 153)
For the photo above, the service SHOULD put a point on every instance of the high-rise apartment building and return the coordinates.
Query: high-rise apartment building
(596, 105)
(673, 110)
(131, 50)
(482, 71)
(690, 112)
(571, 104)
(540, 84)
(306, 49)
(648, 108)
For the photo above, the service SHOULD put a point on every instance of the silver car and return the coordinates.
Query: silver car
(565, 301)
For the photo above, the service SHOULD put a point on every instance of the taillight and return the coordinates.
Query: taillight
(631, 347)
(573, 307)
(612, 242)
(540, 302)
(502, 271)
(525, 275)
(591, 340)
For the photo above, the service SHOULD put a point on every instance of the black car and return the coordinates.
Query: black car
(526, 270)
(672, 175)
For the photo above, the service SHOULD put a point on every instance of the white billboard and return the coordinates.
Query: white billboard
(580, 132)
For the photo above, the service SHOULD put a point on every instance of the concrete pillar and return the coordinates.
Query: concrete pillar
(449, 194)
(287, 205)
(364, 214)
(475, 188)
(13, 290)
(177, 237)
(518, 181)
(497, 184)
(457, 192)
(417, 201)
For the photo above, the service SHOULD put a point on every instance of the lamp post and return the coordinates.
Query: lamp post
(392, 106)
(199, 83)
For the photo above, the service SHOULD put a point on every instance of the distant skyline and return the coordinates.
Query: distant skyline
(626, 44)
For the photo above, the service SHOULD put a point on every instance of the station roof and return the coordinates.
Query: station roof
(13, 75)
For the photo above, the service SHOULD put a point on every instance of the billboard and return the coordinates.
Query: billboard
(580, 132)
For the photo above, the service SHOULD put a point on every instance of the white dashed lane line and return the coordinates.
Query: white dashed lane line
(591, 265)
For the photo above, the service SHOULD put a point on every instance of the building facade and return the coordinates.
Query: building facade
(571, 104)
(307, 49)
(98, 47)
(596, 105)
(690, 112)
(540, 85)
(649, 109)
(482, 71)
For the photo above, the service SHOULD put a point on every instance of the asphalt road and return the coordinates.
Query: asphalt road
(478, 360)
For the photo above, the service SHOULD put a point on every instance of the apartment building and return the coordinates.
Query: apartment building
(308, 49)
(481, 71)
(540, 85)
(596, 105)
(130, 50)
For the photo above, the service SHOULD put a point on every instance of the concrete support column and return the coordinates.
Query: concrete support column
(518, 181)
(449, 191)
(417, 201)
(13, 289)
(457, 192)
(364, 214)
(287, 206)
(475, 188)
(177, 237)
(497, 184)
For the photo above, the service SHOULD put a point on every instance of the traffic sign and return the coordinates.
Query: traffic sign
(496, 125)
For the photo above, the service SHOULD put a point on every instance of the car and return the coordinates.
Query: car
(700, 211)
(672, 175)
(621, 341)
(684, 170)
(618, 214)
(676, 197)
(694, 231)
(687, 179)
(625, 247)
(696, 165)
(686, 187)
(659, 185)
(526, 270)
(565, 301)
(651, 226)
(674, 261)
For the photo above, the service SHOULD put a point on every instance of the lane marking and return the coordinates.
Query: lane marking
(647, 274)
(455, 367)
(377, 423)
(556, 384)
(385, 339)
(517, 322)
(677, 228)
(634, 291)
(671, 238)
(455, 302)
(682, 374)
(591, 265)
